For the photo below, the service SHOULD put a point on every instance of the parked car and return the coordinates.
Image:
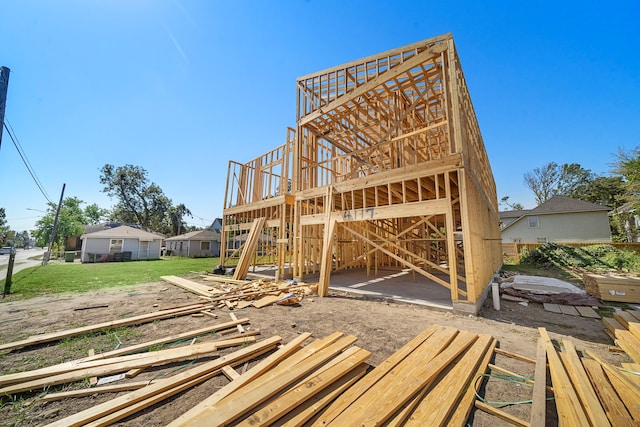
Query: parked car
(6, 250)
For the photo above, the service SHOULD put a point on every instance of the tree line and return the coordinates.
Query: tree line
(620, 188)
(138, 200)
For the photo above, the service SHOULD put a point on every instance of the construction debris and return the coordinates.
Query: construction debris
(236, 294)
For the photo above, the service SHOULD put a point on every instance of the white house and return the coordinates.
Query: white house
(120, 244)
(559, 219)
(201, 243)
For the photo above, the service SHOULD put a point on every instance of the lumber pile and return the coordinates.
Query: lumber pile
(624, 329)
(588, 390)
(327, 383)
(613, 288)
(236, 294)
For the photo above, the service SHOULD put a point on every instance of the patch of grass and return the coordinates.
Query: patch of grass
(57, 278)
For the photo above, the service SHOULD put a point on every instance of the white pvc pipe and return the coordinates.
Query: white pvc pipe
(495, 288)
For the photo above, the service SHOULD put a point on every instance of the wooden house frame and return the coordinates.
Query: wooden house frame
(386, 167)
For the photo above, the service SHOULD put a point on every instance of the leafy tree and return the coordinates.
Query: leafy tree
(176, 215)
(605, 190)
(553, 180)
(139, 200)
(71, 222)
(513, 206)
(95, 214)
(543, 181)
(4, 228)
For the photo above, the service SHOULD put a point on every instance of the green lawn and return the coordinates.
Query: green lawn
(62, 277)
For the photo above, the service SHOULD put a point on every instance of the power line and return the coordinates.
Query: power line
(23, 156)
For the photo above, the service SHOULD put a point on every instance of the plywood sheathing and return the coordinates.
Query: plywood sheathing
(386, 167)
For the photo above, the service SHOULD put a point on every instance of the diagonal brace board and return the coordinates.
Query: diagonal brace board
(249, 248)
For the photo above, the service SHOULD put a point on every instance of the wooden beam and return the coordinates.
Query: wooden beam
(501, 414)
(123, 406)
(136, 320)
(584, 389)
(539, 398)
(569, 410)
(249, 248)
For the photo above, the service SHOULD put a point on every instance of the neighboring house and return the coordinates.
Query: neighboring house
(559, 219)
(216, 225)
(201, 243)
(120, 243)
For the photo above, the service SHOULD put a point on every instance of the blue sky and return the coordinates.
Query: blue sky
(180, 87)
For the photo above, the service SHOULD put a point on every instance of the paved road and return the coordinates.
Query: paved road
(22, 260)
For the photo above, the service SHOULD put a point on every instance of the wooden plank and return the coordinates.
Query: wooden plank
(401, 384)
(614, 407)
(516, 356)
(569, 309)
(151, 359)
(629, 343)
(587, 312)
(624, 318)
(306, 411)
(165, 340)
(194, 415)
(440, 402)
(634, 313)
(189, 285)
(634, 328)
(112, 388)
(539, 398)
(632, 371)
(230, 373)
(312, 385)
(501, 414)
(554, 308)
(125, 405)
(247, 398)
(267, 300)
(583, 387)
(569, 410)
(613, 372)
(138, 360)
(628, 392)
(465, 406)
(337, 407)
(136, 320)
(249, 248)
(612, 324)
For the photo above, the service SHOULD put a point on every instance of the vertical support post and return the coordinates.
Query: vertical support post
(7, 281)
(47, 255)
(4, 84)
(451, 242)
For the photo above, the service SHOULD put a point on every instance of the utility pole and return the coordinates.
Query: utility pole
(47, 255)
(4, 84)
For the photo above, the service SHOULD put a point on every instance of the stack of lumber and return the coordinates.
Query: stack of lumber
(590, 391)
(624, 329)
(426, 382)
(238, 294)
(613, 288)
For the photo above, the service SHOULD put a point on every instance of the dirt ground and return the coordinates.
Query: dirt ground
(380, 326)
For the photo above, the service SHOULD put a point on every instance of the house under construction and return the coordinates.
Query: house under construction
(386, 167)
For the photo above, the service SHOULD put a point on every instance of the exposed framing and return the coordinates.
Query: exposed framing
(386, 166)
